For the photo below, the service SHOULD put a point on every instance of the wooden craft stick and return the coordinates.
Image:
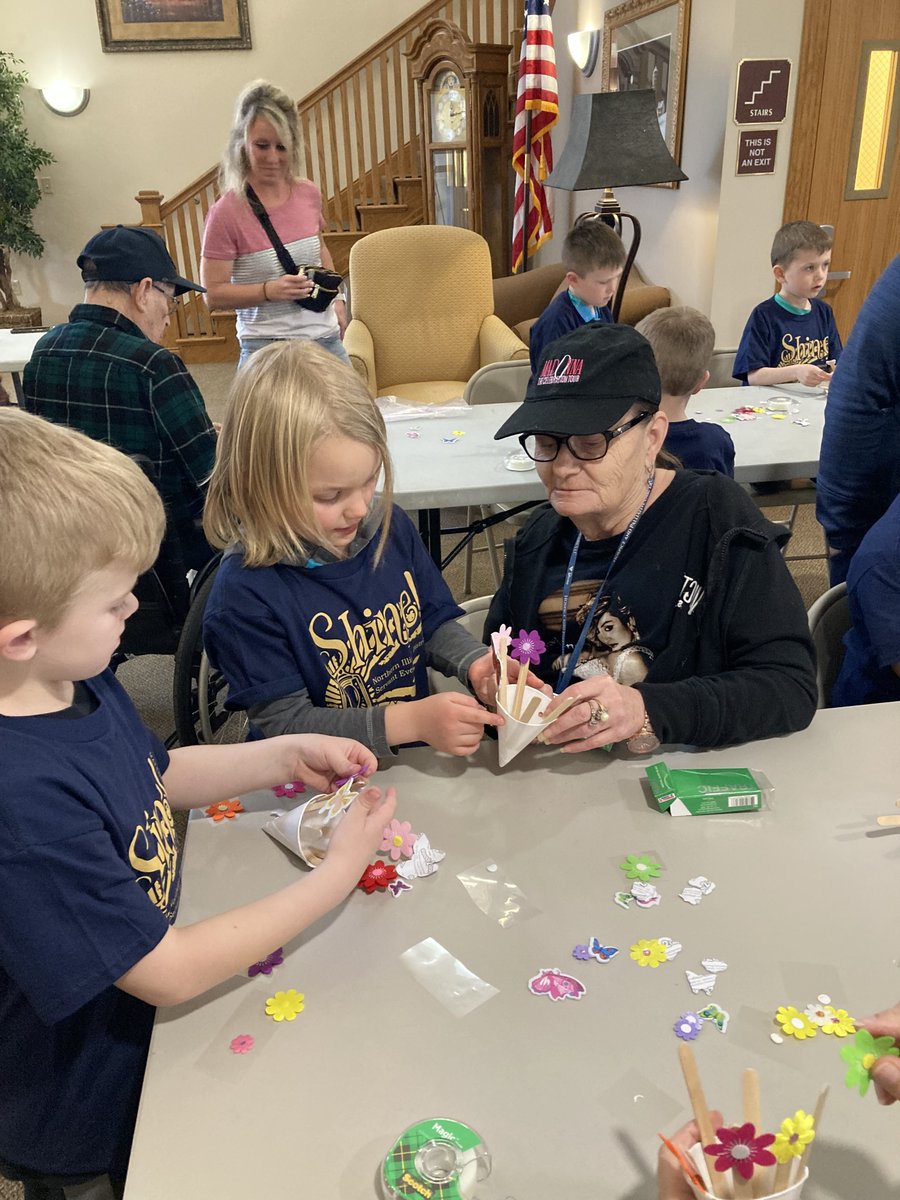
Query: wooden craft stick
(817, 1119)
(520, 690)
(504, 678)
(701, 1112)
(889, 820)
(564, 707)
(753, 1113)
(782, 1176)
(530, 709)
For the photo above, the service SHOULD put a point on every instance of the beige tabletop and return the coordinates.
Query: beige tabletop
(568, 1095)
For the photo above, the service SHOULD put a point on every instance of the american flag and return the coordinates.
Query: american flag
(537, 95)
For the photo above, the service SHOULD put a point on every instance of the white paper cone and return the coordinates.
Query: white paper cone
(294, 829)
(513, 735)
(766, 1174)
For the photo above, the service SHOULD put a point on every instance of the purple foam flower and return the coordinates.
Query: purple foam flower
(687, 1026)
(275, 959)
(582, 952)
(528, 647)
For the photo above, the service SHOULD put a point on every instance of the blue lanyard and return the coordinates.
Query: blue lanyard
(565, 676)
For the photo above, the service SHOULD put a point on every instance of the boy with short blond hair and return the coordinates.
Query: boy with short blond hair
(593, 256)
(792, 336)
(89, 880)
(683, 339)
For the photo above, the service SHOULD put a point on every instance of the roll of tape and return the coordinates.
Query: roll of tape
(436, 1159)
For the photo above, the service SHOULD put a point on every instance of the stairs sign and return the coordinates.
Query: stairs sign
(761, 94)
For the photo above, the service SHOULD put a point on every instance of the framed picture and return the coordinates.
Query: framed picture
(174, 24)
(645, 44)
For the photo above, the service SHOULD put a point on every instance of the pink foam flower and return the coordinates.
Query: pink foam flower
(502, 637)
(242, 1044)
(288, 791)
(528, 647)
(740, 1149)
(399, 839)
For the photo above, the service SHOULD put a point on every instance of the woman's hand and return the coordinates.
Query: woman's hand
(886, 1071)
(288, 287)
(576, 731)
(319, 759)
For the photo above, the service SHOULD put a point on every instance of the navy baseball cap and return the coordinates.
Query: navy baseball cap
(127, 255)
(586, 381)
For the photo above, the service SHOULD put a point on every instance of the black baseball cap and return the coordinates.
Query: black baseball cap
(125, 254)
(586, 381)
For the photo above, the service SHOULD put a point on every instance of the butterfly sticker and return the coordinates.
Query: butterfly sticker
(718, 1016)
(551, 982)
(397, 886)
(602, 953)
(424, 860)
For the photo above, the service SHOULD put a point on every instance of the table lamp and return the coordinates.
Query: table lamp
(614, 141)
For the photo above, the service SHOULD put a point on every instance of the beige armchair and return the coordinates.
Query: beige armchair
(423, 312)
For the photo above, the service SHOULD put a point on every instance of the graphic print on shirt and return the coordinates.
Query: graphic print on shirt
(374, 660)
(153, 852)
(613, 643)
(797, 350)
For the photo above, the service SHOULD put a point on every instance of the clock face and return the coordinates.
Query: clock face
(448, 108)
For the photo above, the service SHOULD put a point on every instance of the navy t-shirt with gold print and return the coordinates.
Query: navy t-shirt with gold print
(89, 884)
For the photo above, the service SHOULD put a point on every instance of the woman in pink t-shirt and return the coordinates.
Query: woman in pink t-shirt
(239, 266)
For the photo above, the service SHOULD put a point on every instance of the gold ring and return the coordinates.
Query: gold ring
(599, 715)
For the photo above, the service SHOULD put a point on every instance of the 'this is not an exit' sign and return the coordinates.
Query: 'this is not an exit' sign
(756, 152)
(761, 94)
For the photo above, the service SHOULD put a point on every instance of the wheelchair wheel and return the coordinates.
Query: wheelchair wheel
(199, 690)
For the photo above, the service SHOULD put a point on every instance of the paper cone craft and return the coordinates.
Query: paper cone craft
(765, 1177)
(307, 830)
(515, 733)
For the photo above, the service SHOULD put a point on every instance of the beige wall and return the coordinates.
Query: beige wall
(160, 119)
(155, 120)
(708, 240)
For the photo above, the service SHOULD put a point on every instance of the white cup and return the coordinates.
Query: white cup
(765, 1174)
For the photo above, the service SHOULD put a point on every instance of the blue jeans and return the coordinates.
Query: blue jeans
(332, 344)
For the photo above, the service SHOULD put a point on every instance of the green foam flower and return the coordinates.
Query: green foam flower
(640, 866)
(860, 1056)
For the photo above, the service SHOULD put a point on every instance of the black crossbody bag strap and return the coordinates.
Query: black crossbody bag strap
(259, 211)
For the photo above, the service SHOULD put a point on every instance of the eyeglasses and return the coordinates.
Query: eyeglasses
(173, 300)
(586, 447)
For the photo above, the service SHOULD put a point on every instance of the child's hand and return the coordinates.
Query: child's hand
(452, 723)
(810, 375)
(319, 759)
(483, 678)
(886, 1071)
(360, 831)
(670, 1179)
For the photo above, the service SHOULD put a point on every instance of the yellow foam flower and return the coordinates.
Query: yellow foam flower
(648, 953)
(794, 1136)
(838, 1021)
(284, 1006)
(794, 1023)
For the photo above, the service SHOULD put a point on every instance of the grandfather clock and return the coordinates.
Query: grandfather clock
(462, 90)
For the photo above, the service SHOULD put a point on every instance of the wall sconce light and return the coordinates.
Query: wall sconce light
(65, 99)
(584, 48)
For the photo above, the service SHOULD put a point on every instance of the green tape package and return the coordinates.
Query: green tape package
(698, 793)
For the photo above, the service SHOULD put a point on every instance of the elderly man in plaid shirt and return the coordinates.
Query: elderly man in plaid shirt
(103, 372)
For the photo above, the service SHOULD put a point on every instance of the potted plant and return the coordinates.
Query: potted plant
(20, 160)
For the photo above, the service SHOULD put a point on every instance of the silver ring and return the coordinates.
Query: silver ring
(599, 715)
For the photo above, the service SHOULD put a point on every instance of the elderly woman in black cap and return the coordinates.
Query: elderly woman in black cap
(715, 623)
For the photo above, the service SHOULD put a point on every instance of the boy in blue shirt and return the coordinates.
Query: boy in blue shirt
(792, 337)
(683, 339)
(89, 878)
(594, 257)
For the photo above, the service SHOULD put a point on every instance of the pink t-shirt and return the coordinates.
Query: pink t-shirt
(233, 234)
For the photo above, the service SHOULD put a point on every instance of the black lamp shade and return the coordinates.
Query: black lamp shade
(614, 141)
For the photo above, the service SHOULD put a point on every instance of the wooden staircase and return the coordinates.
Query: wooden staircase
(361, 146)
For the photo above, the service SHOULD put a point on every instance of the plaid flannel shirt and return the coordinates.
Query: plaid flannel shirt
(100, 374)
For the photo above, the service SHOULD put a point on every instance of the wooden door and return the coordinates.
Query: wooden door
(836, 49)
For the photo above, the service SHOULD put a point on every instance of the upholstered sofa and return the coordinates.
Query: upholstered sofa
(520, 299)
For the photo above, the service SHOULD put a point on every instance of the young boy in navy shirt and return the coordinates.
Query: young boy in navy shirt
(683, 339)
(89, 879)
(792, 337)
(594, 257)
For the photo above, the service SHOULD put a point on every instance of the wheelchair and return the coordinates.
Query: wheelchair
(199, 690)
